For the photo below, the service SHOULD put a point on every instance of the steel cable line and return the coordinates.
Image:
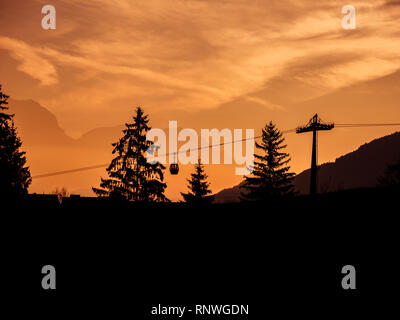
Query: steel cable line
(57, 173)
(338, 125)
(354, 125)
(222, 144)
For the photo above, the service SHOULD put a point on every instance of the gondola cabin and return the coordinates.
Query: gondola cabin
(174, 168)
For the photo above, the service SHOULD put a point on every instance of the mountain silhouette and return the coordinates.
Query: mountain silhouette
(37, 125)
(358, 169)
(50, 149)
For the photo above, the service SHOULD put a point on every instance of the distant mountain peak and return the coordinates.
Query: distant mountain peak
(36, 124)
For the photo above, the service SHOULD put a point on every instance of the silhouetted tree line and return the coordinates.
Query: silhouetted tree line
(132, 177)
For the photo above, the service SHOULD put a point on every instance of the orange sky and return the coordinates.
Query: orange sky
(283, 58)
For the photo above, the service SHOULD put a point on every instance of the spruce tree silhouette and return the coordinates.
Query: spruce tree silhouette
(131, 176)
(391, 177)
(198, 187)
(15, 177)
(270, 177)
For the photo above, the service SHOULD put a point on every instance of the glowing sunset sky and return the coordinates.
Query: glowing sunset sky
(107, 56)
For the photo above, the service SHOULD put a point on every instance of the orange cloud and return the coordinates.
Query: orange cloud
(193, 55)
(31, 63)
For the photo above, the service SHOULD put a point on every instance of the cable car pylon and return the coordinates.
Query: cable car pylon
(314, 125)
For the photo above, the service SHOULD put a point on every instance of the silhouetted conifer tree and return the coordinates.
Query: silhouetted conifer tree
(15, 177)
(131, 176)
(270, 177)
(391, 178)
(198, 187)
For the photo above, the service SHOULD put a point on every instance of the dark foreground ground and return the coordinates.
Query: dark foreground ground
(117, 260)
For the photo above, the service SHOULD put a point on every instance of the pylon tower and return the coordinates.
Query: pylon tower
(314, 125)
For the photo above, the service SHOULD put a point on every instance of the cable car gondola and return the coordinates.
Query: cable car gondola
(173, 167)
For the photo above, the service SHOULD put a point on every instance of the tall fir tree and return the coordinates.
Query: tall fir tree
(131, 176)
(199, 192)
(15, 176)
(271, 176)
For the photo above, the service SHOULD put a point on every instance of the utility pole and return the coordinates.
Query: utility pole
(314, 125)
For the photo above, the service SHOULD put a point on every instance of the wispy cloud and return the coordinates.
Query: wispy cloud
(193, 54)
(31, 63)
(265, 103)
